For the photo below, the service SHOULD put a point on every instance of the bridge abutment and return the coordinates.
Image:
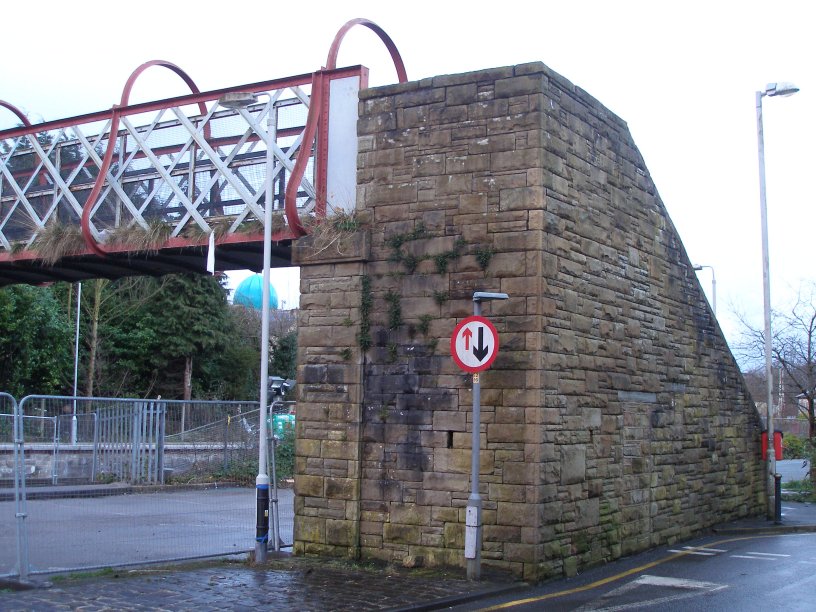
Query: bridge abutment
(614, 418)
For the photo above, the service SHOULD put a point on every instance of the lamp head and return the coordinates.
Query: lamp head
(237, 100)
(780, 89)
(484, 296)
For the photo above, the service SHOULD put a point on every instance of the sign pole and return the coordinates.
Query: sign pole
(473, 516)
(474, 345)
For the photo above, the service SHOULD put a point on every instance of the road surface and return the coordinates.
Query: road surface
(713, 574)
(74, 533)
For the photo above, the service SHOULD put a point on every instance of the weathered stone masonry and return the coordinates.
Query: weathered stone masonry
(614, 418)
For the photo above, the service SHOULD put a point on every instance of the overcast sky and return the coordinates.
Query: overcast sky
(683, 75)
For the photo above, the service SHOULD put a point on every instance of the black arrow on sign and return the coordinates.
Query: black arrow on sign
(480, 351)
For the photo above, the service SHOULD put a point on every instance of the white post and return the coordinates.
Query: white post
(76, 367)
(773, 89)
(262, 480)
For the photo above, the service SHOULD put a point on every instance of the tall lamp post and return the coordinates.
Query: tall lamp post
(772, 89)
(240, 101)
(713, 287)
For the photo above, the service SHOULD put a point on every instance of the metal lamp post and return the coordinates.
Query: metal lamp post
(240, 101)
(772, 89)
(713, 287)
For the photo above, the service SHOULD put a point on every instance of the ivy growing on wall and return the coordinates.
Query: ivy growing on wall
(366, 303)
(483, 256)
(409, 262)
(394, 309)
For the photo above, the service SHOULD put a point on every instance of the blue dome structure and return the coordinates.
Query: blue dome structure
(250, 293)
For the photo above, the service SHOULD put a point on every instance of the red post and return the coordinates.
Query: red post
(778, 445)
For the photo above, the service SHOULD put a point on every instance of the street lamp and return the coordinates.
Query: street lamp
(240, 101)
(772, 89)
(713, 287)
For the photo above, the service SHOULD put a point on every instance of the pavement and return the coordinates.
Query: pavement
(101, 490)
(298, 583)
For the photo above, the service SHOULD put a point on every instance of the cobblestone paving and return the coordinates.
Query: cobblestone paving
(233, 586)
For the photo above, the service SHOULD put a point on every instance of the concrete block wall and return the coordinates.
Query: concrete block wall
(613, 419)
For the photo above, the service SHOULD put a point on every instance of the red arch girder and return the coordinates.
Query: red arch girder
(20, 115)
(331, 61)
(316, 107)
(109, 151)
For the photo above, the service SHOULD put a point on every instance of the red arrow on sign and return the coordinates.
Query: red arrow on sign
(474, 344)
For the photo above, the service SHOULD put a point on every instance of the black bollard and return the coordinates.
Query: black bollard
(777, 499)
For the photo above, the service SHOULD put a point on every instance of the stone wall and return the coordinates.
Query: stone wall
(614, 418)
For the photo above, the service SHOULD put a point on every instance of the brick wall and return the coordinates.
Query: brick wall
(614, 418)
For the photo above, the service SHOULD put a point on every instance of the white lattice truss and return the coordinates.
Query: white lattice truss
(194, 172)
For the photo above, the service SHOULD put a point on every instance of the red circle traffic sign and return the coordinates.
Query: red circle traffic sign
(474, 344)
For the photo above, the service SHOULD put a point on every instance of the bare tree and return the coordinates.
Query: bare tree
(793, 350)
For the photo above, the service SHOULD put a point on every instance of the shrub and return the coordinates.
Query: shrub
(285, 454)
(794, 447)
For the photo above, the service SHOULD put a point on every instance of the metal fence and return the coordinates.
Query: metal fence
(98, 482)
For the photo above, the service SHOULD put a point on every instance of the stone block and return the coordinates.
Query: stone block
(410, 514)
(374, 124)
(445, 482)
(460, 94)
(308, 486)
(518, 552)
(493, 143)
(403, 193)
(519, 159)
(520, 473)
(401, 534)
(310, 529)
(520, 85)
(342, 488)
(516, 514)
(521, 198)
(449, 420)
(454, 534)
(338, 449)
(382, 489)
(429, 165)
(453, 184)
(341, 532)
(588, 513)
(498, 433)
(573, 464)
(511, 493)
(458, 460)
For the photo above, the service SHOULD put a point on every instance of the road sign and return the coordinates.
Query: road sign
(474, 344)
